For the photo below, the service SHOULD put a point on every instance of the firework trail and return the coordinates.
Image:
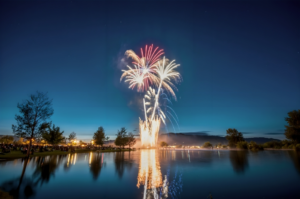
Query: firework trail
(163, 110)
(151, 70)
(166, 73)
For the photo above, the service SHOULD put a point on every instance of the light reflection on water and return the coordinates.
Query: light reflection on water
(158, 174)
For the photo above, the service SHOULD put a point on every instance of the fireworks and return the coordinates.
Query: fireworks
(150, 70)
(144, 67)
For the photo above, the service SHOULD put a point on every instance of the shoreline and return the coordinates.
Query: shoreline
(17, 154)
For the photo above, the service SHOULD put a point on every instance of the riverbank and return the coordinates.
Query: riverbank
(19, 154)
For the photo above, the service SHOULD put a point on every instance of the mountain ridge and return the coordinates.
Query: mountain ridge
(201, 138)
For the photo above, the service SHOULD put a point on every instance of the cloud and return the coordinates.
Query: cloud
(195, 133)
(247, 132)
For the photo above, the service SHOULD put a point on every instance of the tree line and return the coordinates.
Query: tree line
(33, 124)
(292, 134)
(34, 113)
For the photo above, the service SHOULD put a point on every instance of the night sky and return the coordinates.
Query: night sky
(240, 62)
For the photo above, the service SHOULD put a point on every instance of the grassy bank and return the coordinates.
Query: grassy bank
(19, 154)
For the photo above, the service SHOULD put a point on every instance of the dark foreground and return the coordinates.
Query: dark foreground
(155, 174)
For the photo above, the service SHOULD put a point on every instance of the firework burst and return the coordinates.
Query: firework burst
(145, 66)
(151, 70)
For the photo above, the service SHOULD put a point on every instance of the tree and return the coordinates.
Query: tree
(242, 145)
(121, 139)
(99, 136)
(72, 136)
(207, 145)
(292, 131)
(130, 140)
(118, 141)
(81, 142)
(34, 113)
(253, 146)
(163, 144)
(53, 135)
(233, 137)
(219, 145)
(7, 139)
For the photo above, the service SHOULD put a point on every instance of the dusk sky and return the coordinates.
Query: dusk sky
(239, 61)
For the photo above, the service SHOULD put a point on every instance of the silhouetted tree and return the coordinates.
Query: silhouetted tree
(122, 138)
(207, 145)
(233, 137)
(130, 140)
(242, 145)
(163, 144)
(72, 136)
(99, 136)
(33, 115)
(253, 146)
(53, 135)
(292, 131)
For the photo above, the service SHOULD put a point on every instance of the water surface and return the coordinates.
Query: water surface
(146, 174)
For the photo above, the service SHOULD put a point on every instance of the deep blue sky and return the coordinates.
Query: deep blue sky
(240, 62)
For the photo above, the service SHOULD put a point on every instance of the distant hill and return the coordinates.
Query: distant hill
(198, 139)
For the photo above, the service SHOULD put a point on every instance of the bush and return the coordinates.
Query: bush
(242, 145)
(273, 144)
(297, 147)
(163, 144)
(286, 144)
(5, 195)
(219, 145)
(207, 145)
(253, 146)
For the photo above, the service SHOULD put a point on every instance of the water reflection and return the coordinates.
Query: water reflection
(239, 161)
(150, 175)
(20, 187)
(154, 174)
(45, 168)
(96, 163)
(295, 156)
(71, 160)
(122, 161)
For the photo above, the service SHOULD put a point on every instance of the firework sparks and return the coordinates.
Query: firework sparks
(163, 110)
(144, 66)
(150, 69)
(134, 77)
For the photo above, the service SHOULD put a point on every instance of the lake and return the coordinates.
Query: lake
(145, 174)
